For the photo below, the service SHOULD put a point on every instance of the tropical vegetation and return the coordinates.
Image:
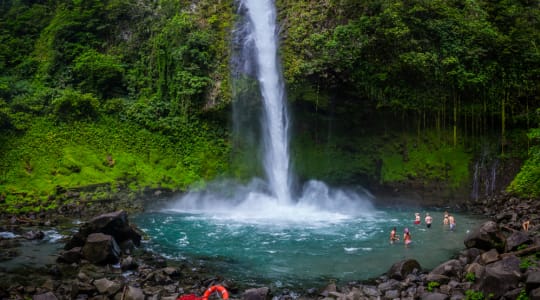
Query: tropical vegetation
(138, 93)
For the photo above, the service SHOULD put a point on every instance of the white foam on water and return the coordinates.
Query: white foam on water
(7, 235)
(317, 204)
(52, 236)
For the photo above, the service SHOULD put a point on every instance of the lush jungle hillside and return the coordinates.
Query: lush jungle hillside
(138, 94)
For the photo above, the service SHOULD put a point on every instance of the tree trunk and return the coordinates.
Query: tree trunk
(503, 121)
(455, 120)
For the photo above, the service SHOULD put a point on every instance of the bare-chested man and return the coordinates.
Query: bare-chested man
(452, 222)
(393, 236)
(445, 219)
(428, 220)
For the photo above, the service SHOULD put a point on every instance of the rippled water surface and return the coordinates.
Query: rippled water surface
(310, 249)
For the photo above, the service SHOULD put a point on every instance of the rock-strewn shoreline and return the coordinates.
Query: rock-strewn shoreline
(102, 261)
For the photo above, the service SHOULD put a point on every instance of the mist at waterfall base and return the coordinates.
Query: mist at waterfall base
(242, 234)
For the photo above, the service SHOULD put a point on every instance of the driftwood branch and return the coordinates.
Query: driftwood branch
(508, 228)
(25, 220)
(521, 252)
(124, 293)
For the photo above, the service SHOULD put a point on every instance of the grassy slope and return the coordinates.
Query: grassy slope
(53, 155)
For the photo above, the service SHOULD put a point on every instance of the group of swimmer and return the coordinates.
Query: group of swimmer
(448, 220)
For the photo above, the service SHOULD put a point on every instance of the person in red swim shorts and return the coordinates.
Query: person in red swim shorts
(416, 218)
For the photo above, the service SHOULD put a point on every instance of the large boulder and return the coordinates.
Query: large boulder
(256, 294)
(489, 257)
(486, 237)
(101, 249)
(434, 296)
(476, 269)
(70, 256)
(500, 276)
(401, 269)
(451, 268)
(134, 293)
(115, 224)
(467, 256)
(106, 286)
(533, 281)
(516, 239)
(45, 296)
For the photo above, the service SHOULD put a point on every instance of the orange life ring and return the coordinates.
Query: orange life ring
(219, 288)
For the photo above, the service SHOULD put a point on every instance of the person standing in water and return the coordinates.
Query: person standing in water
(428, 220)
(407, 237)
(393, 236)
(452, 222)
(416, 218)
(445, 220)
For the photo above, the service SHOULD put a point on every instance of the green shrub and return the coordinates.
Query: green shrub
(100, 74)
(470, 277)
(73, 105)
(522, 295)
(474, 295)
(526, 262)
(432, 285)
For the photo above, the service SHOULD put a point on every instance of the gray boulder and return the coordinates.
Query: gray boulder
(516, 239)
(256, 294)
(134, 293)
(476, 269)
(106, 286)
(401, 269)
(535, 294)
(489, 257)
(486, 237)
(70, 256)
(115, 224)
(500, 277)
(45, 296)
(469, 255)
(533, 281)
(101, 249)
(451, 268)
(442, 279)
(434, 296)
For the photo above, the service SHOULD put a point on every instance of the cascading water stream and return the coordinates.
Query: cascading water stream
(263, 34)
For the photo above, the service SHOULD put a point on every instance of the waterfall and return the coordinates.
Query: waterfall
(261, 41)
(484, 176)
(260, 115)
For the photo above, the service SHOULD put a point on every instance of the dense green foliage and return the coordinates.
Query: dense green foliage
(387, 91)
(110, 92)
(466, 69)
(527, 182)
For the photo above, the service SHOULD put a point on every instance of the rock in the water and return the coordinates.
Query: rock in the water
(115, 224)
(70, 256)
(401, 269)
(101, 249)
